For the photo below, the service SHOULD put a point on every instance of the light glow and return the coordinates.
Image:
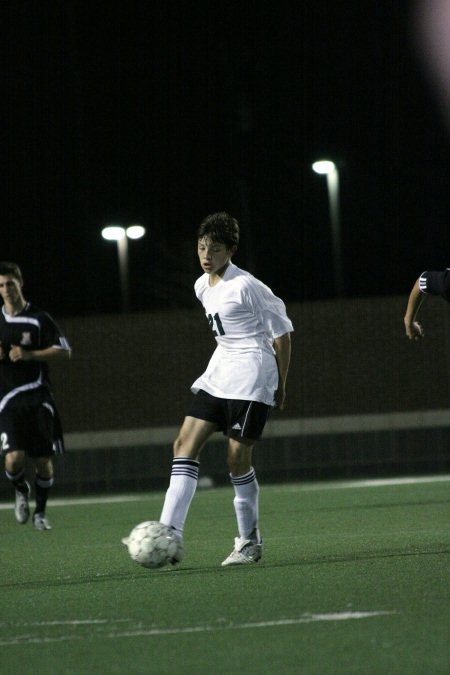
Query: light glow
(113, 233)
(135, 231)
(324, 166)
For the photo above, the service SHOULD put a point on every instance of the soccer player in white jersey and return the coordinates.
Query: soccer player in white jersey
(431, 282)
(29, 421)
(245, 377)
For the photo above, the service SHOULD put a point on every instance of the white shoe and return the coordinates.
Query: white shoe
(125, 540)
(245, 552)
(40, 522)
(22, 507)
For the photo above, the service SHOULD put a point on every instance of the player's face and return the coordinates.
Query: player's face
(10, 289)
(213, 255)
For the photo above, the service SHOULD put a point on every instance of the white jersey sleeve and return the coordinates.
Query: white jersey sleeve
(268, 308)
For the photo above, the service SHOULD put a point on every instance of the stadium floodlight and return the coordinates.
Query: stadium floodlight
(328, 168)
(324, 166)
(121, 235)
(113, 233)
(135, 231)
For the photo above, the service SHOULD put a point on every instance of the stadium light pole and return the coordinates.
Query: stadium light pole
(329, 169)
(121, 235)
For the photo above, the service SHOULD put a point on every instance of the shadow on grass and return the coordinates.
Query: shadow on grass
(144, 575)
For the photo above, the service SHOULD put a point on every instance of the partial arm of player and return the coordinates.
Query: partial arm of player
(282, 347)
(413, 328)
(17, 353)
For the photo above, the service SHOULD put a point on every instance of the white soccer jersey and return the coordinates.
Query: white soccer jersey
(245, 317)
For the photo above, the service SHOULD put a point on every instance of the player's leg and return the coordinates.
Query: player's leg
(246, 488)
(246, 423)
(248, 546)
(13, 443)
(191, 438)
(47, 441)
(15, 473)
(43, 481)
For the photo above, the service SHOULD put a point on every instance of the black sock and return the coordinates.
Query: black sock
(18, 480)
(42, 486)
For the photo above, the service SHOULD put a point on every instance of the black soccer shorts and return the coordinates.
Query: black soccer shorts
(34, 428)
(235, 418)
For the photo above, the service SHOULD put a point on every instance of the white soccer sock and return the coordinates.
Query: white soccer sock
(246, 505)
(183, 483)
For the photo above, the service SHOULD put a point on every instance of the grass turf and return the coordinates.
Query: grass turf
(353, 580)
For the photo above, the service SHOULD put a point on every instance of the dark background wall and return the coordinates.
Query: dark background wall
(349, 357)
(363, 401)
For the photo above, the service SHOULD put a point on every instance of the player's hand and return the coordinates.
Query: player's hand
(414, 330)
(16, 353)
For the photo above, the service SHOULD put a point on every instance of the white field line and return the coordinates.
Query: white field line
(149, 632)
(80, 501)
(362, 483)
(68, 622)
(295, 487)
(333, 485)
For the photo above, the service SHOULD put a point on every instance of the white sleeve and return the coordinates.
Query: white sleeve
(270, 309)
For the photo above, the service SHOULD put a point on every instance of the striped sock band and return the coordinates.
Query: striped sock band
(15, 478)
(18, 480)
(183, 466)
(44, 482)
(245, 479)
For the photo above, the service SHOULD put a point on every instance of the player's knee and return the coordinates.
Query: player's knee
(14, 461)
(181, 447)
(44, 467)
(177, 445)
(238, 465)
(239, 457)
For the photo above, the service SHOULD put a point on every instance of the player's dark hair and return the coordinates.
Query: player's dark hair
(11, 269)
(221, 228)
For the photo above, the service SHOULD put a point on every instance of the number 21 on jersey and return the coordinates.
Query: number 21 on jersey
(215, 324)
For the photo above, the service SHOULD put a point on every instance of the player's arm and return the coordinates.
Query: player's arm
(17, 353)
(413, 328)
(282, 347)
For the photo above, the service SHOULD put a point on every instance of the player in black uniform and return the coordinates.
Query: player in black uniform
(430, 282)
(29, 421)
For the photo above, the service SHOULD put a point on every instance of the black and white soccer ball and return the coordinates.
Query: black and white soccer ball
(153, 545)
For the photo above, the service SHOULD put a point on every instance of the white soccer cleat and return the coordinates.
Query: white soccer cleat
(245, 552)
(125, 541)
(40, 522)
(22, 507)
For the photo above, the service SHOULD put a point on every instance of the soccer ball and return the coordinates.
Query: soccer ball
(152, 544)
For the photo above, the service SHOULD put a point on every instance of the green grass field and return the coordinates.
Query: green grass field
(354, 579)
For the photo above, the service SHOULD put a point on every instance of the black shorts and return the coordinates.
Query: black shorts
(32, 427)
(235, 418)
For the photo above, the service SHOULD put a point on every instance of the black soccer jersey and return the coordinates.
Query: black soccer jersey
(31, 329)
(436, 283)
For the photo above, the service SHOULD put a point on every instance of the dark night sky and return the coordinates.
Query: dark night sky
(163, 112)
